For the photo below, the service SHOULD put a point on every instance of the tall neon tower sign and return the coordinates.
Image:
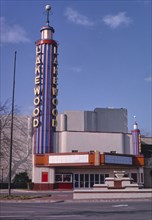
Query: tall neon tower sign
(45, 90)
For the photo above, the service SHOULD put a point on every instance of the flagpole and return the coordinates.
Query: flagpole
(12, 117)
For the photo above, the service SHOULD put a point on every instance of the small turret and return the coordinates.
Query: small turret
(136, 138)
(135, 125)
(47, 31)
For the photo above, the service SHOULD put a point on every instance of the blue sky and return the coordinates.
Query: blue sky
(104, 58)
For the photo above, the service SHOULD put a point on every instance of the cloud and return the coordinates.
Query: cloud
(12, 33)
(77, 18)
(76, 69)
(148, 79)
(115, 21)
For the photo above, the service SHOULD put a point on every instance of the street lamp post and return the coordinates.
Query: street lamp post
(11, 141)
(2, 175)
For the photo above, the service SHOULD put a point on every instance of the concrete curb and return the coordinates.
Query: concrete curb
(74, 201)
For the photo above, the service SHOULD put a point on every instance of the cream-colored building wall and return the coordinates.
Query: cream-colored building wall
(87, 141)
(37, 172)
(128, 147)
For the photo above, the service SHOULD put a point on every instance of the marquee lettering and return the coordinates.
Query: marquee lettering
(37, 90)
(39, 86)
(38, 50)
(55, 60)
(55, 50)
(54, 112)
(37, 80)
(54, 91)
(38, 60)
(37, 69)
(55, 70)
(35, 122)
(37, 100)
(54, 122)
(36, 111)
(54, 101)
(55, 80)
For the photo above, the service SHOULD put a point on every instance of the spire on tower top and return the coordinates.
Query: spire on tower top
(135, 125)
(47, 9)
(134, 118)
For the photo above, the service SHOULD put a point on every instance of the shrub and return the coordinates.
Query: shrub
(21, 180)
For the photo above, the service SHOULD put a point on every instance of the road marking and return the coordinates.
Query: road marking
(121, 205)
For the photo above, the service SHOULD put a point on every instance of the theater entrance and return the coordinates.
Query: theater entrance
(88, 180)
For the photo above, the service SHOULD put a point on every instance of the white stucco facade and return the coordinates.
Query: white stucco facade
(37, 178)
(88, 141)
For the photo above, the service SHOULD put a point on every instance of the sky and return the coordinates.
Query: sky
(105, 54)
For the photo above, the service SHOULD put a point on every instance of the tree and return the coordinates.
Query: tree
(22, 141)
(21, 178)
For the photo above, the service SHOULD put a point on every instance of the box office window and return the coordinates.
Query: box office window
(60, 178)
(134, 177)
(67, 178)
(44, 176)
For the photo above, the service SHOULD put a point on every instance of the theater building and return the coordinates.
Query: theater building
(77, 149)
(88, 150)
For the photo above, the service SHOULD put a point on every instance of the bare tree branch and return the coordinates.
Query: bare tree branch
(22, 141)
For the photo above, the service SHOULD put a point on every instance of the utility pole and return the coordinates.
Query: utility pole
(12, 117)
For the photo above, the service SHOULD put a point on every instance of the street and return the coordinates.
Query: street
(78, 210)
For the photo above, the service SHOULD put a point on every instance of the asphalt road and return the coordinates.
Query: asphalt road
(92, 210)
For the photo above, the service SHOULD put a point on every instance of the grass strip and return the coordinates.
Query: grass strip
(15, 197)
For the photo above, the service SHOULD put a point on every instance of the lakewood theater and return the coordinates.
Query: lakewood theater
(77, 149)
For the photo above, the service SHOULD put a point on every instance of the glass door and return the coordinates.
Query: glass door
(76, 181)
(88, 180)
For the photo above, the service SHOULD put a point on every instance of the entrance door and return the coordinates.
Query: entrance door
(87, 184)
(81, 181)
(76, 181)
(88, 180)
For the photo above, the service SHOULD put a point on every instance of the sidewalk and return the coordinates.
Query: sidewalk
(57, 196)
(36, 196)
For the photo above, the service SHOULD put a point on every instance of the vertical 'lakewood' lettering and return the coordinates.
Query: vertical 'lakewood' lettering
(54, 87)
(39, 83)
(37, 90)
